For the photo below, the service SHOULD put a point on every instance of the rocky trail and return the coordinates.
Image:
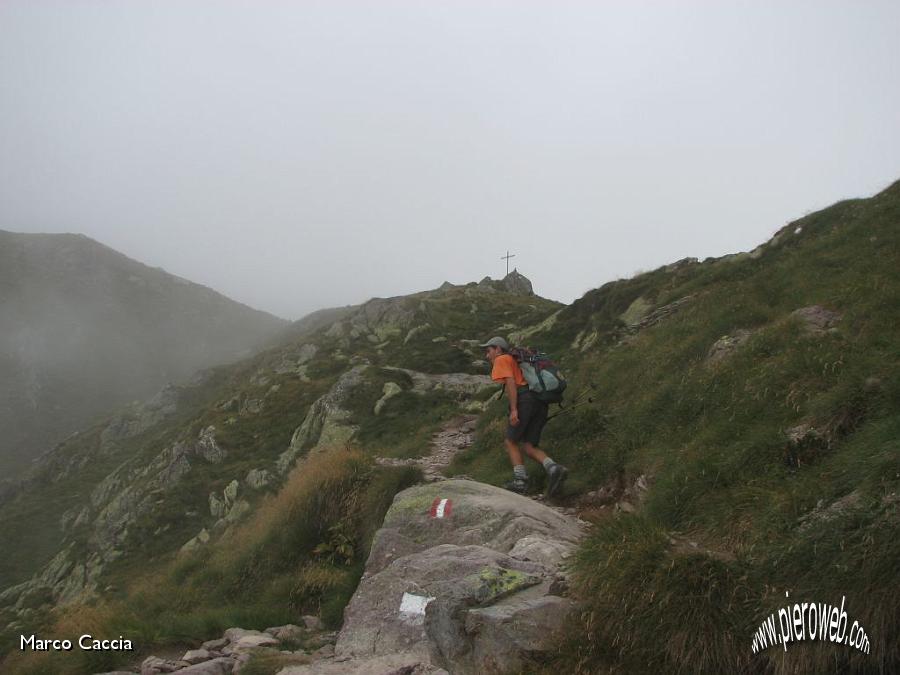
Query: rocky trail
(455, 436)
(462, 577)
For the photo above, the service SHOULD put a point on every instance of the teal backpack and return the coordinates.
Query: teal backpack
(542, 375)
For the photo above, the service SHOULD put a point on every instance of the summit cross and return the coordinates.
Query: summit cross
(506, 258)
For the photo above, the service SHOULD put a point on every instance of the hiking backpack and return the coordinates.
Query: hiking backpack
(542, 375)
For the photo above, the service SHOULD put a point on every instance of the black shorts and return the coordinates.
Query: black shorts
(532, 418)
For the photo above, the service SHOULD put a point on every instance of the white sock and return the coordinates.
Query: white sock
(548, 463)
(519, 472)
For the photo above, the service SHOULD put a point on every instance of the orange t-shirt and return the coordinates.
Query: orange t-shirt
(506, 366)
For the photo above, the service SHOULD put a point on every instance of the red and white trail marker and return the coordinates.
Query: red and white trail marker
(441, 508)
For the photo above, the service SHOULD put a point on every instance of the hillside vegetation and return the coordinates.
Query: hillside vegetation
(772, 455)
(740, 443)
(121, 512)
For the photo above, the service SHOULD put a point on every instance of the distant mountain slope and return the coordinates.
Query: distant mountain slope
(84, 329)
(321, 317)
(140, 486)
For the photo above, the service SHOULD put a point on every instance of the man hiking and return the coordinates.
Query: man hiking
(527, 417)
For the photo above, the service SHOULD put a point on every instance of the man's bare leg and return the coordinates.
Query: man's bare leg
(535, 453)
(515, 454)
(520, 476)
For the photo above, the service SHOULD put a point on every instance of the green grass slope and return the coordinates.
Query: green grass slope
(736, 514)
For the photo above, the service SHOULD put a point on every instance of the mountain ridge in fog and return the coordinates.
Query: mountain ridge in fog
(84, 328)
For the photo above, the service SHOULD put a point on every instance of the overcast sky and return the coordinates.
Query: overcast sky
(296, 155)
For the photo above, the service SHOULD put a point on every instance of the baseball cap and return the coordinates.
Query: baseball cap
(496, 342)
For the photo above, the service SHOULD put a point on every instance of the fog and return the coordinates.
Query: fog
(84, 330)
(297, 155)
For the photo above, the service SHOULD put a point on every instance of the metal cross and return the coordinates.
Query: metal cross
(506, 258)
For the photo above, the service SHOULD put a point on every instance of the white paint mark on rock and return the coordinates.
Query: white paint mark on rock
(412, 607)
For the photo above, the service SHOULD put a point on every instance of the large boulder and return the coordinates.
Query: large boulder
(326, 422)
(726, 345)
(389, 390)
(259, 478)
(461, 385)
(516, 283)
(816, 320)
(207, 447)
(462, 576)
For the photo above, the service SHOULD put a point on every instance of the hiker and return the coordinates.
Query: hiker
(527, 417)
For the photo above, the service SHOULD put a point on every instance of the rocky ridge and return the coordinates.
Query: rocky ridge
(462, 577)
(137, 487)
(120, 499)
(138, 463)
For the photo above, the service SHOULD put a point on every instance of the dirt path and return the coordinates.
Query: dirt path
(456, 435)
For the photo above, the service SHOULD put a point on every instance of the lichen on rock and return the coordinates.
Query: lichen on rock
(462, 564)
(389, 390)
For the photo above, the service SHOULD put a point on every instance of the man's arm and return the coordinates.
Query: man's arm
(513, 393)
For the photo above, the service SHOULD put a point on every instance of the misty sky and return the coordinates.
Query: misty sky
(295, 155)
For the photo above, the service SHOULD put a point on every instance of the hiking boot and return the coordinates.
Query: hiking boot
(517, 485)
(556, 476)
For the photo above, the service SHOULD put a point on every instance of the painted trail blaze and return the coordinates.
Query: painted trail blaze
(441, 507)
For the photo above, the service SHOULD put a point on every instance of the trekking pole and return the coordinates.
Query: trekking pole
(569, 409)
(578, 401)
(583, 393)
(581, 396)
